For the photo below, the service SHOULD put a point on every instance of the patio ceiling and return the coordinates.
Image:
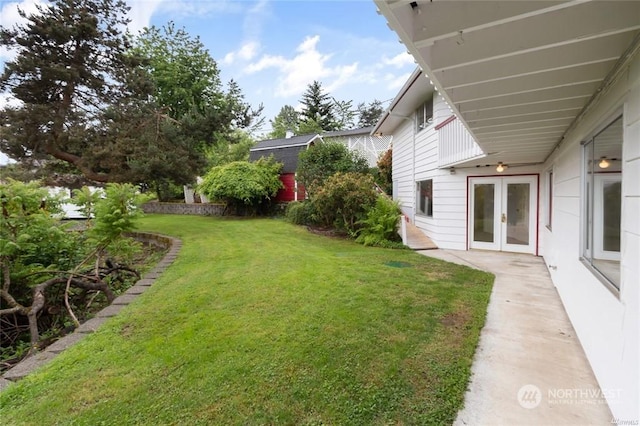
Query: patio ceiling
(517, 73)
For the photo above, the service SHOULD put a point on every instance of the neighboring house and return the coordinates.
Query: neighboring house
(523, 134)
(69, 210)
(361, 140)
(286, 151)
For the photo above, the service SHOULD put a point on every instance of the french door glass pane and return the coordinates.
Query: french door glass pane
(483, 212)
(518, 213)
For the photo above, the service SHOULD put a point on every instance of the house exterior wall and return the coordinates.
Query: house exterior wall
(415, 158)
(606, 323)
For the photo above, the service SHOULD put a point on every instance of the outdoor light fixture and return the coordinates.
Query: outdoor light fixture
(452, 170)
(501, 167)
(604, 163)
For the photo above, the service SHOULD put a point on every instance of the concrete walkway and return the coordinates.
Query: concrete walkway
(529, 368)
(416, 239)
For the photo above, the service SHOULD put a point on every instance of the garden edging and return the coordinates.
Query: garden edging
(31, 363)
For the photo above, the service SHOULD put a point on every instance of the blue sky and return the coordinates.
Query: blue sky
(275, 48)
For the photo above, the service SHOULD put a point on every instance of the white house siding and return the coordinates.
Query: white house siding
(413, 163)
(607, 324)
(402, 167)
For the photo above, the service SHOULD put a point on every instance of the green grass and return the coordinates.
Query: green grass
(261, 322)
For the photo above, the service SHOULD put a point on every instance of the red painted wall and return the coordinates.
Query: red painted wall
(288, 192)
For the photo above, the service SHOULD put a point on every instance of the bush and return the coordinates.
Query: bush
(323, 160)
(242, 184)
(344, 199)
(380, 227)
(300, 212)
(385, 173)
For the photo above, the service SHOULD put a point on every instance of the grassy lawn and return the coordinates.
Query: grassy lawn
(261, 322)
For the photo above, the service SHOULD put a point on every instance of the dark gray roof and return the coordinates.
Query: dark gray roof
(288, 156)
(284, 150)
(339, 133)
(302, 140)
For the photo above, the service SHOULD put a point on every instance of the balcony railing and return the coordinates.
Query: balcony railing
(455, 143)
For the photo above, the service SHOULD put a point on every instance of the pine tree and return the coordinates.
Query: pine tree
(318, 107)
(72, 64)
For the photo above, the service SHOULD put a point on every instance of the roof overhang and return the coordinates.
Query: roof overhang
(413, 93)
(518, 74)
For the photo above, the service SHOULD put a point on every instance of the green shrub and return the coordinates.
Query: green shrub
(384, 171)
(344, 199)
(300, 213)
(323, 160)
(380, 227)
(242, 184)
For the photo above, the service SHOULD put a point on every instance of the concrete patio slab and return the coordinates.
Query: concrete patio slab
(529, 367)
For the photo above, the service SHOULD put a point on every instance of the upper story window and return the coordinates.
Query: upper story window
(602, 202)
(424, 115)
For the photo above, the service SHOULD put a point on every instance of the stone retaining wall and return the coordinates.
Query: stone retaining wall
(182, 208)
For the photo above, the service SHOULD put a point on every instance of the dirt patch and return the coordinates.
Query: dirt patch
(327, 232)
(456, 319)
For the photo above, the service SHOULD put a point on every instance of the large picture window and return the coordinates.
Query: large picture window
(425, 197)
(603, 202)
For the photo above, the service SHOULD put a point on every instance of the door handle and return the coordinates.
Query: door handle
(504, 218)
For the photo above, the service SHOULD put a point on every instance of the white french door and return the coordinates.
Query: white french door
(503, 213)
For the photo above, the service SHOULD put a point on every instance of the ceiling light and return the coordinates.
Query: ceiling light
(604, 163)
(501, 167)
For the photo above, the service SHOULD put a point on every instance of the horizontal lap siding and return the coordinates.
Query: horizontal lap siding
(402, 167)
(447, 227)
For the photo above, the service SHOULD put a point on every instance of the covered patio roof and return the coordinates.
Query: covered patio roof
(519, 74)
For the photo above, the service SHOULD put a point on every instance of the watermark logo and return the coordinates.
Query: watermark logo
(529, 396)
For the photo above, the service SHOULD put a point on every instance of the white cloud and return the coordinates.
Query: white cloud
(395, 82)
(307, 65)
(246, 52)
(400, 60)
(9, 17)
(191, 8)
(141, 13)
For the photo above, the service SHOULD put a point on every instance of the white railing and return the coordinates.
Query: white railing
(455, 143)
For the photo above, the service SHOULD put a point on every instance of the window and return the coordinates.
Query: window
(424, 115)
(425, 197)
(549, 196)
(602, 203)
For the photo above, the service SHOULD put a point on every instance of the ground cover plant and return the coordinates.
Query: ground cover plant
(259, 321)
(55, 276)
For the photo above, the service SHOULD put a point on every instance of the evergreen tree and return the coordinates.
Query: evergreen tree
(318, 107)
(72, 64)
(369, 114)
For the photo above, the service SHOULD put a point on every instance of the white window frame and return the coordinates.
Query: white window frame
(424, 115)
(428, 210)
(549, 192)
(590, 254)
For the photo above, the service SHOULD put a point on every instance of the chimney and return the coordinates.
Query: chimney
(288, 134)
